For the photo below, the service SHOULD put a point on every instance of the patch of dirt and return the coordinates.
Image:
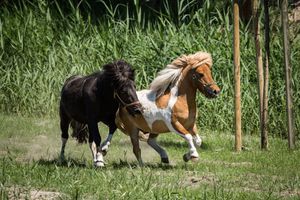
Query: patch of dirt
(45, 195)
(42, 146)
(22, 193)
(250, 184)
(196, 181)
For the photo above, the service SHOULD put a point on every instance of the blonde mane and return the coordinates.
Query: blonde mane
(168, 77)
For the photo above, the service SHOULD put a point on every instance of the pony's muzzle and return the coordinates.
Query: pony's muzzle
(135, 109)
(213, 92)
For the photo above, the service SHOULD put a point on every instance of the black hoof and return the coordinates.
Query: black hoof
(186, 157)
(165, 160)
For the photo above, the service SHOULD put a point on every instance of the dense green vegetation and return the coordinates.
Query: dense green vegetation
(29, 167)
(44, 42)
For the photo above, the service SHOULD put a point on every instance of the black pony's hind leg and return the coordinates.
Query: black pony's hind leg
(106, 143)
(64, 127)
(92, 147)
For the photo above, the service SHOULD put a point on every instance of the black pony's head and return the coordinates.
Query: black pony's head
(122, 76)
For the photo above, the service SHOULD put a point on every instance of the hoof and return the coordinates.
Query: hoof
(99, 164)
(194, 159)
(186, 157)
(165, 160)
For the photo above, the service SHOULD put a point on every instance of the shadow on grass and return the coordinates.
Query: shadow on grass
(182, 144)
(134, 164)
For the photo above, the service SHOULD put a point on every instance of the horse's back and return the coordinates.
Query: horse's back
(72, 83)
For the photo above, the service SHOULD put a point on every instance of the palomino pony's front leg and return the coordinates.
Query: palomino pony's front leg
(196, 137)
(94, 131)
(192, 154)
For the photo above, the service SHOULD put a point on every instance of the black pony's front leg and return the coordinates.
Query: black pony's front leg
(94, 132)
(106, 143)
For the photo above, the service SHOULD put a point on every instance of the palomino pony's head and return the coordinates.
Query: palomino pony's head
(121, 75)
(196, 67)
(201, 64)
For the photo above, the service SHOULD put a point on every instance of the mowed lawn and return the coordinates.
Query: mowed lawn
(29, 167)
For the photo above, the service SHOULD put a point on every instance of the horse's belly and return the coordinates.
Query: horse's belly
(159, 126)
(159, 120)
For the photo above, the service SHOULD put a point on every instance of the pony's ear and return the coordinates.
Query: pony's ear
(108, 67)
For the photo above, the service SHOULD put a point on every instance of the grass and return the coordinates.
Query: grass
(29, 167)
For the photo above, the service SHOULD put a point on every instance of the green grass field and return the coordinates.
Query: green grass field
(29, 167)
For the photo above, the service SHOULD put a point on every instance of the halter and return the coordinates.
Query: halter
(206, 85)
(125, 105)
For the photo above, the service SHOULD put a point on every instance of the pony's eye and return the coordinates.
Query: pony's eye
(200, 75)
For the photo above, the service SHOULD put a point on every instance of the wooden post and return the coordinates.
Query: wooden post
(259, 63)
(288, 72)
(237, 82)
(264, 132)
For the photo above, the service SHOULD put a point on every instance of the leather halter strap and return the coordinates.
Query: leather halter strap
(125, 105)
(195, 78)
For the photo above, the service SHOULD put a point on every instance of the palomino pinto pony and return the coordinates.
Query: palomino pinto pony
(86, 100)
(170, 104)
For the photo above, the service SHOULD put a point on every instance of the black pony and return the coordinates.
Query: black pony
(87, 100)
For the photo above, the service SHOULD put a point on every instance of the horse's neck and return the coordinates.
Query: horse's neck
(187, 93)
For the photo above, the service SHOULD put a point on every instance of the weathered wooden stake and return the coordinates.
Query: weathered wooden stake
(264, 132)
(288, 72)
(237, 81)
(259, 63)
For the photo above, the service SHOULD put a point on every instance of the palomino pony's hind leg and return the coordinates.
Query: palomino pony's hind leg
(106, 143)
(163, 154)
(64, 126)
(134, 137)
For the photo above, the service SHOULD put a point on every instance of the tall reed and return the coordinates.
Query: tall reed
(43, 43)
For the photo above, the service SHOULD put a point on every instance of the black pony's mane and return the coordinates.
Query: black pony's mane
(118, 72)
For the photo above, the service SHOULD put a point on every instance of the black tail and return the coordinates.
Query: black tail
(80, 131)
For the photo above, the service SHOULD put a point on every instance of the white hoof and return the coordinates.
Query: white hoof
(99, 164)
(191, 156)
